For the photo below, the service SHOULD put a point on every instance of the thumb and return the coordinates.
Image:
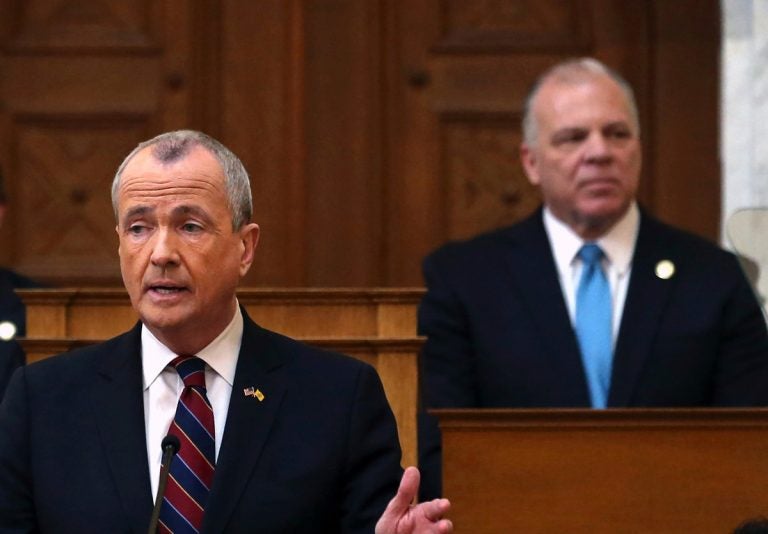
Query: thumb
(401, 502)
(409, 486)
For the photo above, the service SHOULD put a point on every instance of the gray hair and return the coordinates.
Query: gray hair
(174, 146)
(573, 71)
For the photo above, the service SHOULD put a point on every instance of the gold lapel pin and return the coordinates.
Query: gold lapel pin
(253, 392)
(665, 269)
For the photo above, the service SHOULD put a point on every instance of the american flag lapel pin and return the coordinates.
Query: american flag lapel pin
(253, 392)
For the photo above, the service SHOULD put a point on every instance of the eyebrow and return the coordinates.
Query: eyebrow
(178, 211)
(136, 211)
(185, 209)
(559, 135)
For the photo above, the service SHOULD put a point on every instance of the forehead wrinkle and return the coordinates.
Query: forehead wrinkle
(153, 185)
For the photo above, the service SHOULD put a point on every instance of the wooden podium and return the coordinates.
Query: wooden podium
(594, 471)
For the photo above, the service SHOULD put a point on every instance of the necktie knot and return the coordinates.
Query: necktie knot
(191, 369)
(591, 254)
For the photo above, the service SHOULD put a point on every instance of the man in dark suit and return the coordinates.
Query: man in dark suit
(301, 440)
(501, 313)
(12, 323)
(12, 311)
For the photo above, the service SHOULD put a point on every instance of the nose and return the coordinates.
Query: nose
(597, 149)
(164, 250)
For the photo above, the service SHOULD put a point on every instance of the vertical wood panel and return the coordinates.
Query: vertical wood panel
(414, 197)
(343, 142)
(686, 162)
(261, 93)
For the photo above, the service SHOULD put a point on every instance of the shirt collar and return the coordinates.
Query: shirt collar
(221, 354)
(618, 243)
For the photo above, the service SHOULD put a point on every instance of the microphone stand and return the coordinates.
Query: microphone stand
(170, 447)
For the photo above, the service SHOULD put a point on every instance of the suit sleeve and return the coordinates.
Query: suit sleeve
(741, 377)
(447, 358)
(373, 460)
(17, 513)
(447, 367)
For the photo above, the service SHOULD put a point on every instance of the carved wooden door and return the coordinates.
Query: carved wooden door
(82, 82)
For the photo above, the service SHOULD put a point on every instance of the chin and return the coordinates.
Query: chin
(161, 318)
(606, 207)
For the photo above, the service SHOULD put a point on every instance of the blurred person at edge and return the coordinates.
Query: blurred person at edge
(13, 315)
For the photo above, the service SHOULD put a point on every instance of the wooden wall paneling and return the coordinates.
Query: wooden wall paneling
(61, 209)
(82, 83)
(373, 131)
(686, 162)
(100, 313)
(343, 113)
(177, 60)
(413, 198)
(262, 121)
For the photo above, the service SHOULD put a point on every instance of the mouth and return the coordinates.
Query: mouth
(599, 183)
(165, 288)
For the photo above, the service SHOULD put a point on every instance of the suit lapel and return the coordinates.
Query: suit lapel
(116, 397)
(248, 423)
(647, 296)
(536, 279)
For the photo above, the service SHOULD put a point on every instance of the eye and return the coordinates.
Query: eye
(191, 228)
(618, 132)
(137, 229)
(568, 136)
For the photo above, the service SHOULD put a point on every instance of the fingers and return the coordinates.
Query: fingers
(402, 515)
(434, 510)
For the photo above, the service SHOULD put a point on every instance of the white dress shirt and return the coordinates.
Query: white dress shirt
(163, 386)
(618, 247)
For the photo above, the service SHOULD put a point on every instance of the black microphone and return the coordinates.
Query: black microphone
(170, 446)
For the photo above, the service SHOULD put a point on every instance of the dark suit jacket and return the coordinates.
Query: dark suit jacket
(499, 334)
(319, 454)
(12, 310)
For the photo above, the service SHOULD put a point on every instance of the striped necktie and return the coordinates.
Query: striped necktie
(593, 324)
(191, 472)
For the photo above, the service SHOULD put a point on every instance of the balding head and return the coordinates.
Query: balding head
(572, 72)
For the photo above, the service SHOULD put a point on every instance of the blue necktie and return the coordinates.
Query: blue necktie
(593, 324)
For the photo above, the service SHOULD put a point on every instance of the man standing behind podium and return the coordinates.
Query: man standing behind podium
(589, 302)
(275, 436)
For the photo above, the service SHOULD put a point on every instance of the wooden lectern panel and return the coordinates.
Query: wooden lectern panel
(605, 471)
(100, 313)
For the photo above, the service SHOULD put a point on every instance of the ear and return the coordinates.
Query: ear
(528, 159)
(249, 236)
